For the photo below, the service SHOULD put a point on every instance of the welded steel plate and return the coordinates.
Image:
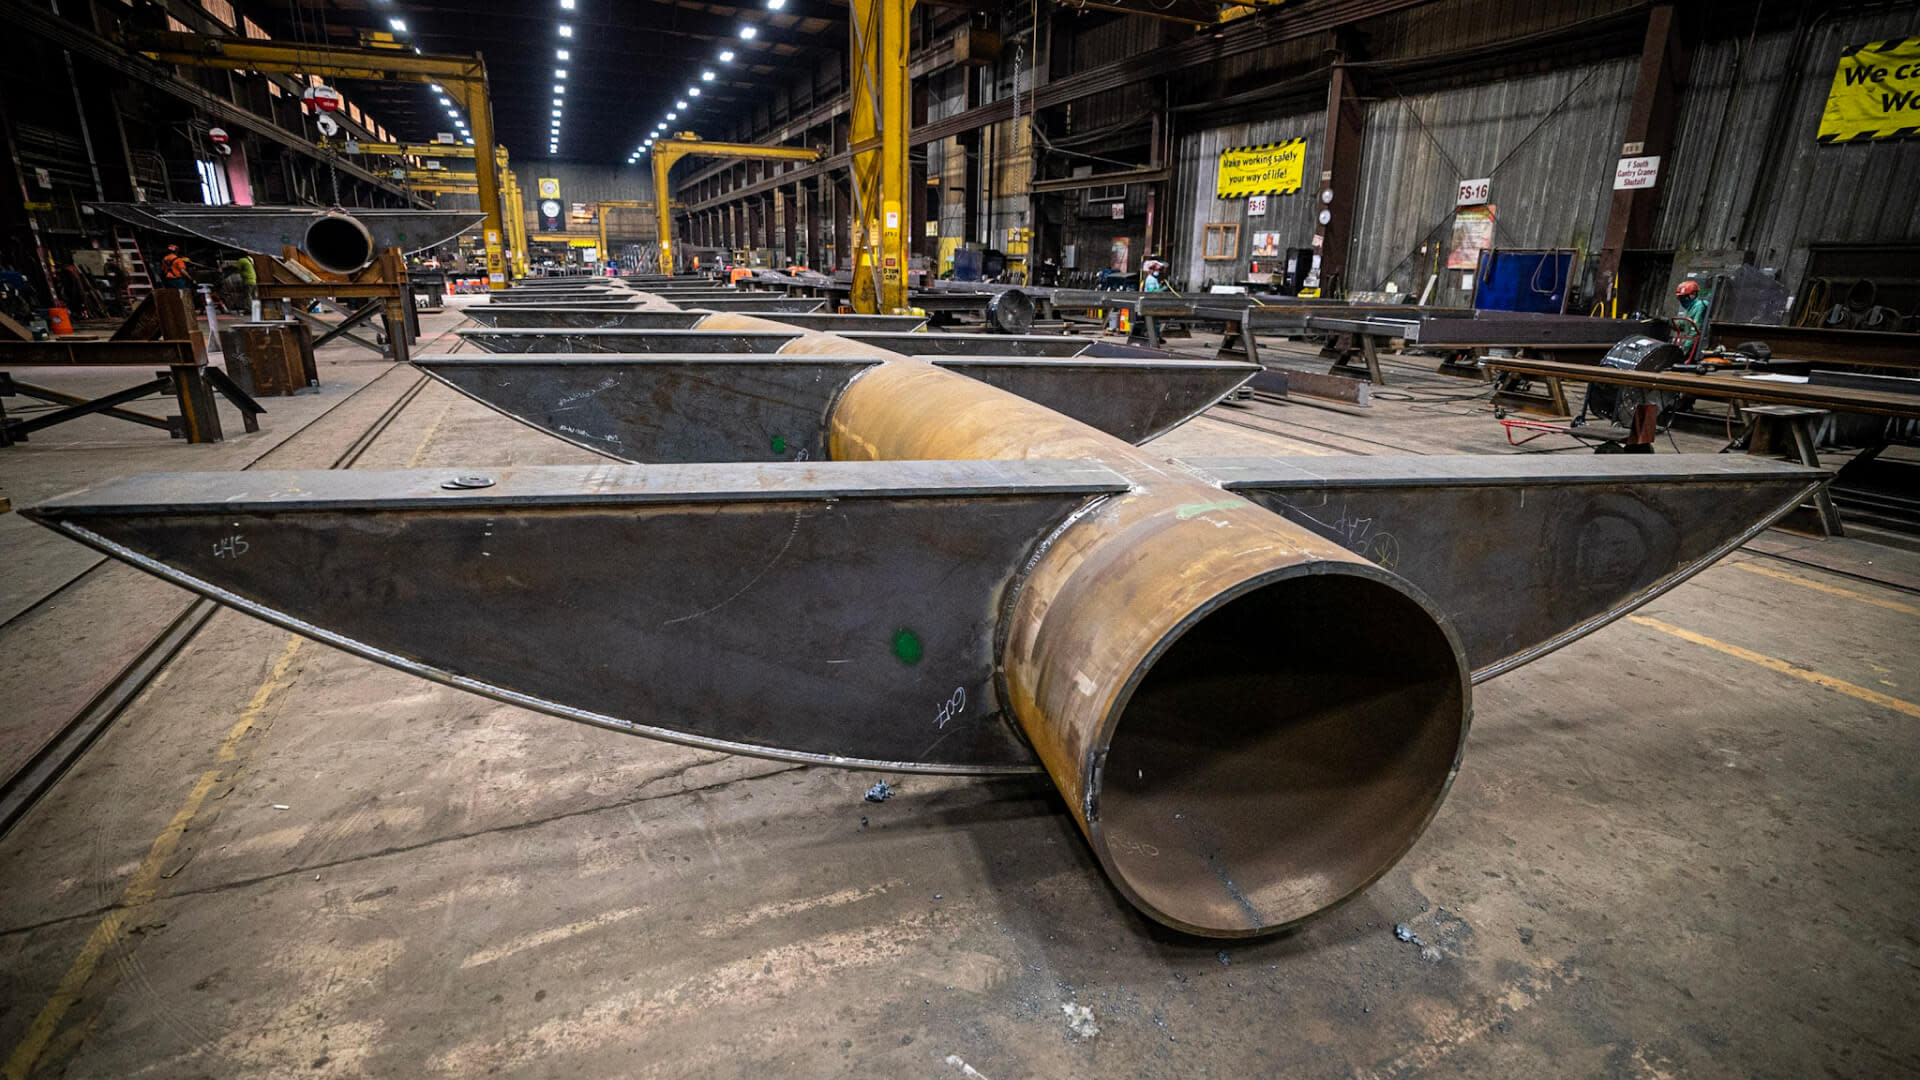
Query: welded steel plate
(1131, 399)
(1526, 553)
(839, 612)
(267, 229)
(629, 341)
(668, 407)
(542, 317)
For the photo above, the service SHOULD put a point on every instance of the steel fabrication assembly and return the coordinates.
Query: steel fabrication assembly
(1250, 678)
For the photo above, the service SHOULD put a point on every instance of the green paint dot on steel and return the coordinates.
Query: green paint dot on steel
(779, 444)
(907, 646)
(1188, 510)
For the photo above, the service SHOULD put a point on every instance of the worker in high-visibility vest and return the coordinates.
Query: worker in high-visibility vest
(173, 269)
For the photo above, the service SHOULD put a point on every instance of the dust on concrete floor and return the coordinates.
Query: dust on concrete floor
(1683, 846)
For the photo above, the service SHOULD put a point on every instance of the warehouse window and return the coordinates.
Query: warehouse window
(1220, 241)
(213, 183)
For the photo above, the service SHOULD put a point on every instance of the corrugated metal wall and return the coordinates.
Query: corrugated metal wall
(1850, 193)
(1196, 166)
(1552, 170)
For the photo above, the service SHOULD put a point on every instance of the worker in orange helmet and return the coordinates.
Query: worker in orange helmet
(174, 273)
(1692, 319)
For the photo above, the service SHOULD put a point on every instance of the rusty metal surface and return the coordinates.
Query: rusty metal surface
(1527, 554)
(1249, 720)
(737, 625)
(663, 408)
(267, 229)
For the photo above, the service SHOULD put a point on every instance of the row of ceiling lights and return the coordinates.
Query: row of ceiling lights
(560, 82)
(399, 26)
(748, 32)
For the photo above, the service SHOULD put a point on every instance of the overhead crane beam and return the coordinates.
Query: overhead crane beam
(465, 76)
(686, 144)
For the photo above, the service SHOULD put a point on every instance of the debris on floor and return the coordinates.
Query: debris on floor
(880, 792)
(1080, 1020)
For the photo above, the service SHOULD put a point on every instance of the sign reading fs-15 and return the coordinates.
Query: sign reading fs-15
(1272, 169)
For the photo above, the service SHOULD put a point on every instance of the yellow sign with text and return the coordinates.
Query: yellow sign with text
(1272, 169)
(1875, 93)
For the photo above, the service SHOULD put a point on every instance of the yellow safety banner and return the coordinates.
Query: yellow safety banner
(1875, 94)
(1272, 169)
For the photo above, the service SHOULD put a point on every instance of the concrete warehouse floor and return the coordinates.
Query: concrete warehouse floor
(1685, 845)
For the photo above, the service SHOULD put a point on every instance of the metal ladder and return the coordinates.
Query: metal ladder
(139, 282)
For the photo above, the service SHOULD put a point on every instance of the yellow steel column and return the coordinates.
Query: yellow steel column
(877, 54)
(663, 158)
(486, 172)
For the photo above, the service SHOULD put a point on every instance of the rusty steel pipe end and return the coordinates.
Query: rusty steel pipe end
(1278, 749)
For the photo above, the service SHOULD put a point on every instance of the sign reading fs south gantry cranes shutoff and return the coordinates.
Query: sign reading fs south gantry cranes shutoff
(1875, 93)
(1272, 169)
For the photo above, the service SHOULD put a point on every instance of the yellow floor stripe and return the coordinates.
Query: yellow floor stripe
(1832, 590)
(1774, 663)
(142, 887)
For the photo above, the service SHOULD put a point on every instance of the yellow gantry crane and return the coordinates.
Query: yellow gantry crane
(686, 144)
(461, 76)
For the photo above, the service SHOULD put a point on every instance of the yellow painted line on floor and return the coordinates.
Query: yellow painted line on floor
(1831, 590)
(143, 885)
(1774, 663)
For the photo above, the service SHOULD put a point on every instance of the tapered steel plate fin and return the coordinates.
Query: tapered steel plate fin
(1131, 399)
(628, 341)
(756, 304)
(838, 612)
(537, 317)
(663, 408)
(1525, 553)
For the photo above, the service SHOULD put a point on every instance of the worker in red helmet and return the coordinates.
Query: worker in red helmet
(1692, 318)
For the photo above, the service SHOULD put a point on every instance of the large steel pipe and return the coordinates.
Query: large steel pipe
(1184, 663)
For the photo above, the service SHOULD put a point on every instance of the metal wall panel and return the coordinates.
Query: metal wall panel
(1549, 142)
(1196, 166)
(1850, 193)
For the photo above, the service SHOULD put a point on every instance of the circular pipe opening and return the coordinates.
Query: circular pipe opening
(339, 243)
(1280, 754)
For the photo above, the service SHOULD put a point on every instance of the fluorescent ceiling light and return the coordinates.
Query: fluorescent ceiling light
(559, 88)
(562, 54)
(566, 5)
(565, 30)
(446, 101)
(673, 116)
(558, 101)
(726, 56)
(747, 32)
(556, 114)
(776, 5)
(678, 105)
(706, 76)
(398, 24)
(559, 73)
(435, 87)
